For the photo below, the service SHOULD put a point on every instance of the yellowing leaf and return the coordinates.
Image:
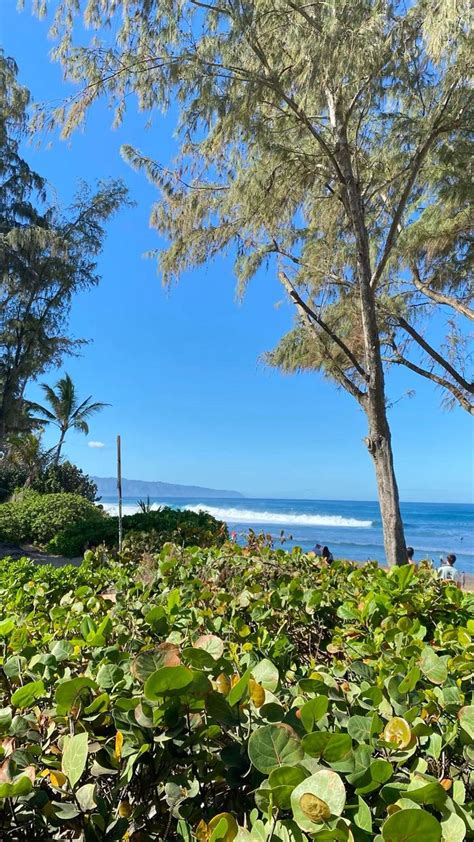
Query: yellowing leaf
(124, 809)
(118, 744)
(202, 832)
(257, 693)
(222, 684)
(314, 808)
(397, 732)
(57, 778)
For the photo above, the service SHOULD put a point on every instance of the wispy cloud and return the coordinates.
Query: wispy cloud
(97, 444)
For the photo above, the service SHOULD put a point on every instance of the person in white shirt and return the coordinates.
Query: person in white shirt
(447, 571)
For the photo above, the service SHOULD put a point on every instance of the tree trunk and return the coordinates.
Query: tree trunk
(59, 447)
(379, 445)
(379, 440)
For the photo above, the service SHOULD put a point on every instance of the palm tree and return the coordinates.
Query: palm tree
(66, 412)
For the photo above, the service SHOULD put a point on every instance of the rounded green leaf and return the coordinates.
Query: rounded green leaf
(26, 695)
(328, 788)
(453, 828)
(466, 720)
(274, 745)
(359, 728)
(339, 747)
(313, 711)
(167, 681)
(266, 674)
(282, 782)
(411, 826)
(150, 660)
(212, 644)
(69, 692)
(432, 666)
(198, 658)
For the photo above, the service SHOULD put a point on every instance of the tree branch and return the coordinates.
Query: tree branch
(434, 354)
(435, 378)
(417, 163)
(310, 313)
(439, 297)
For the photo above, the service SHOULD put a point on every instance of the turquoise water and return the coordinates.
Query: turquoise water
(351, 529)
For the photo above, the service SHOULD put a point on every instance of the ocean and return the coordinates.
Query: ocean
(351, 529)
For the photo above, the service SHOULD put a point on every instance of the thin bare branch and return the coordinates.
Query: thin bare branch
(302, 305)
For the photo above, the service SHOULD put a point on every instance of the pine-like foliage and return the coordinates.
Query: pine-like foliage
(268, 93)
(46, 256)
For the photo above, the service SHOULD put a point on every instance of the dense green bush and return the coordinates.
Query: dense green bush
(67, 524)
(235, 694)
(143, 532)
(47, 480)
(39, 517)
(65, 477)
(11, 477)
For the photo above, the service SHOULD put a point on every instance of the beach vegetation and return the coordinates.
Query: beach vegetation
(47, 254)
(234, 693)
(68, 523)
(328, 143)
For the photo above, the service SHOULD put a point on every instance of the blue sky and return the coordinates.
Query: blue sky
(180, 367)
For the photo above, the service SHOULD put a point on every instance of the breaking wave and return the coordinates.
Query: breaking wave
(234, 515)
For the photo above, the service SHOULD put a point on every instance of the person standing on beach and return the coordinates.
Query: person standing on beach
(410, 554)
(327, 555)
(447, 572)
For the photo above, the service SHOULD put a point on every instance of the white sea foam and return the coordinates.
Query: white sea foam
(127, 509)
(234, 515)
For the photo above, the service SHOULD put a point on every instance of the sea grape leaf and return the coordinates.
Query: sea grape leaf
(360, 728)
(198, 658)
(328, 788)
(167, 681)
(453, 828)
(432, 666)
(313, 711)
(266, 674)
(410, 681)
(315, 743)
(411, 826)
(466, 720)
(338, 748)
(372, 778)
(282, 782)
(26, 695)
(164, 655)
(274, 745)
(85, 796)
(223, 827)
(6, 626)
(212, 644)
(238, 690)
(363, 816)
(75, 756)
(68, 692)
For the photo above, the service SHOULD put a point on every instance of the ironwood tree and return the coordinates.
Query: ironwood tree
(47, 255)
(328, 140)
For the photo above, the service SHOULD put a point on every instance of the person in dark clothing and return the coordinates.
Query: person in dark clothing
(327, 555)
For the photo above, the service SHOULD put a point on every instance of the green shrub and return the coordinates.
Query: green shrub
(238, 694)
(39, 517)
(77, 537)
(65, 477)
(143, 532)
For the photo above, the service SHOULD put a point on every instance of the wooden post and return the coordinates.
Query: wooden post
(119, 489)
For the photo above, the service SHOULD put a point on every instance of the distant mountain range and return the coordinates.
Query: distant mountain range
(138, 488)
